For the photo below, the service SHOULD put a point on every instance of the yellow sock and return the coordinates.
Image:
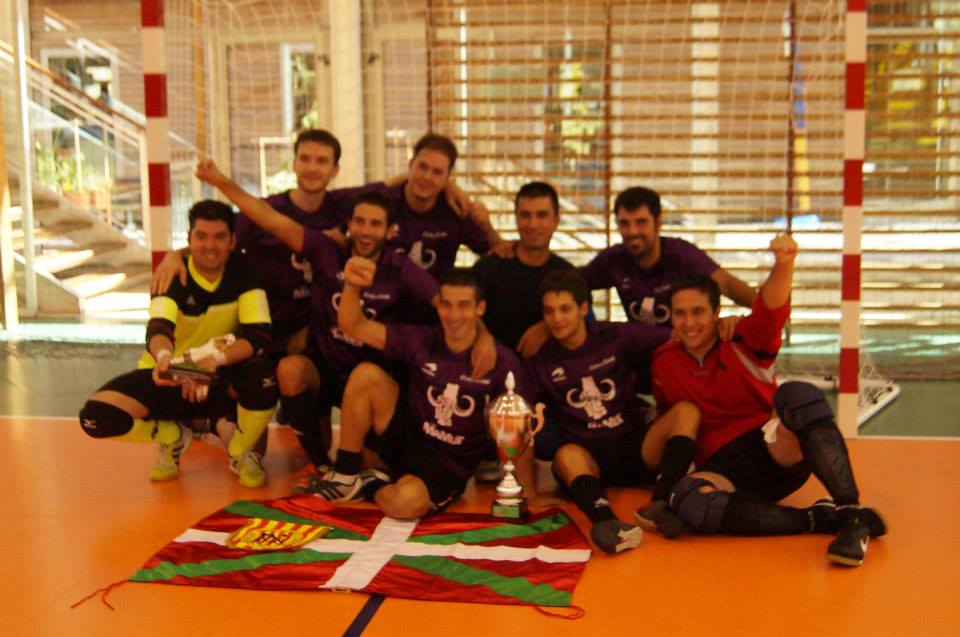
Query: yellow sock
(167, 431)
(250, 426)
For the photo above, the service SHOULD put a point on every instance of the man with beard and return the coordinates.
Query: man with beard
(644, 265)
(402, 291)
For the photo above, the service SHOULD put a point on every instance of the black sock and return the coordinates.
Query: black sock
(826, 452)
(677, 455)
(301, 411)
(746, 515)
(348, 462)
(590, 497)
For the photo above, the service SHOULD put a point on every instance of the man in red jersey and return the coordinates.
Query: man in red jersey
(757, 442)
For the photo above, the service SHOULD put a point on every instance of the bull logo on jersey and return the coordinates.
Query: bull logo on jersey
(302, 266)
(447, 405)
(591, 398)
(335, 301)
(649, 312)
(424, 258)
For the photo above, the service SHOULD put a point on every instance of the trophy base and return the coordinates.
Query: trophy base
(513, 510)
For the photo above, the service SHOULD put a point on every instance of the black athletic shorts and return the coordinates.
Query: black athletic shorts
(167, 403)
(747, 463)
(406, 452)
(621, 460)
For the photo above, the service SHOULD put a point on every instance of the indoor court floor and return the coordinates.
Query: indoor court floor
(80, 514)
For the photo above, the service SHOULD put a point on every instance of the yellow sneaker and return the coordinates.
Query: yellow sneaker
(248, 469)
(168, 465)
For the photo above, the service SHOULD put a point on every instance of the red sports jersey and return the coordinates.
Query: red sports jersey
(733, 385)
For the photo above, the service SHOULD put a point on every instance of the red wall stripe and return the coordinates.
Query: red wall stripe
(856, 85)
(853, 182)
(849, 370)
(151, 13)
(850, 278)
(159, 184)
(155, 95)
(856, 5)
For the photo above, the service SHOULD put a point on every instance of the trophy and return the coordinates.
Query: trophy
(183, 369)
(511, 424)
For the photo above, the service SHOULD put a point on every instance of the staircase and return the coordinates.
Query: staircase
(86, 267)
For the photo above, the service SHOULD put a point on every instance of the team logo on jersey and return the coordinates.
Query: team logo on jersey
(88, 423)
(303, 266)
(649, 312)
(558, 375)
(447, 405)
(429, 368)
(335, 301)
(591, 398)
(424, 258)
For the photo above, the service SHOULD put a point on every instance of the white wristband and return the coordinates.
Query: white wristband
(218, 356)
(160, 355)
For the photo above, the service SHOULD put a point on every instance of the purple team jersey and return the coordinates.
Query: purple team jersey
(399, 288)
(431, 239)
(645, 293)
(446, 407)
(286, 276)
(591, 390)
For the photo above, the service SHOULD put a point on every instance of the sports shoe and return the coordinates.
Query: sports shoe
(488, 471)
(337, 487)
(308, 477)
(614, 536)
(249, 470)
(168, 465)
(850, 545)
(658, 517)
(825, 518)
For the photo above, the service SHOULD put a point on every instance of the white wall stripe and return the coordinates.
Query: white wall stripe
(850, 324)
(158, 141)
(154, 50)
(856, 44)
(854, 136)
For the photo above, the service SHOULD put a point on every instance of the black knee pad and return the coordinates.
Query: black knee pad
(102, 420)
(799, 404)
(702, 512)
(256, 384)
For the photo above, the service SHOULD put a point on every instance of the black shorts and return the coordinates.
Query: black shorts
(167, 403)
(620, 459)
(406, 452)
(747, 463)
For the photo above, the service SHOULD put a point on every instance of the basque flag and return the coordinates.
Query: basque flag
(305, 543)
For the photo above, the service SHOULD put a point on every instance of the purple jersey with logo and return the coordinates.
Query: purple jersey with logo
(399, 287)
(591, 390)
(431, 239)
(645, 292)
(447, 407)
(287, 276)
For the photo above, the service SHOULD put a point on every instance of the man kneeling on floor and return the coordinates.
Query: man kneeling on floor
(746, 460)
(433, 434)
(222, 296)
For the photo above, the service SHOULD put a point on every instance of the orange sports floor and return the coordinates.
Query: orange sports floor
(79, 514)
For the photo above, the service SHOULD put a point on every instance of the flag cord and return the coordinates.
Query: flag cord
(577, 612)
(103, 594)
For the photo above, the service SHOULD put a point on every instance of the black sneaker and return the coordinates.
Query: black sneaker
(658, 517)
(336, 487)
(825, 518)
(614, 536)
(850, 545)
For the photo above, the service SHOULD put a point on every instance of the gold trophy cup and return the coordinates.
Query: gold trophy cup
(513, 425)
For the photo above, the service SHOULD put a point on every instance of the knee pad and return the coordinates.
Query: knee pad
(799, 404)
(256, 384)
(700, 511)
(102, 420)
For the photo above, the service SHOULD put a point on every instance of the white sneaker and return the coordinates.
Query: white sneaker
(249, 469)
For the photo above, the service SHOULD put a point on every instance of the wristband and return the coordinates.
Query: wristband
(159, 355)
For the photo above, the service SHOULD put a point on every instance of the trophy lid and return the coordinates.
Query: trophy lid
(510, 403)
